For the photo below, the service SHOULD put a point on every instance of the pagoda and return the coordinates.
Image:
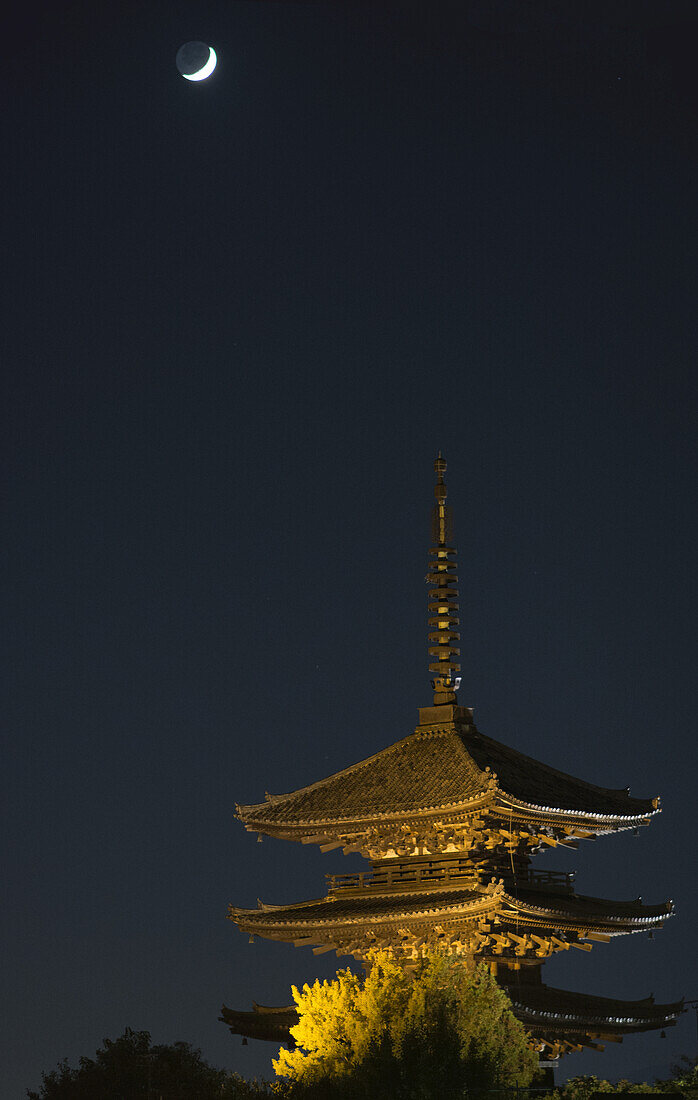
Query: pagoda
(449, 821)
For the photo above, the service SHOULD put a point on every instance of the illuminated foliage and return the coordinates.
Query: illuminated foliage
(438, 1032)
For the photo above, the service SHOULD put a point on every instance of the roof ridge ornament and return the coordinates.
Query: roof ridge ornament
(443, 598)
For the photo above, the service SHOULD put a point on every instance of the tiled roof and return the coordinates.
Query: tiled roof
(372, 907)
(538, 784)
(581, 908)
(419, 772)
(269, 1024)
(536, 1005)
(543, 1004)
(432, 769)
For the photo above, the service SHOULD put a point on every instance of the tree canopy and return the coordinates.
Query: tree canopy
(440, 1032)
(131, 1068)
(684, 1080)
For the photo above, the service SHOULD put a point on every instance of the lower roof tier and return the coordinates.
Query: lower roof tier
(560, 1021)
(271, 1025)
(541, 1005)
(491, 921)
(557, 1020)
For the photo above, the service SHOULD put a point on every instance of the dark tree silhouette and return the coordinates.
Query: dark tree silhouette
(131, 1068)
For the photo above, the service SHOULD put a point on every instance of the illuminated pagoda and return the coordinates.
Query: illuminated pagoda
(449, 820)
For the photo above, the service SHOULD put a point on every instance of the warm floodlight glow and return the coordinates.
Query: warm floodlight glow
(207, 69)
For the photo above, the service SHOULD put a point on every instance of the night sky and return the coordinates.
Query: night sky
(239, 320)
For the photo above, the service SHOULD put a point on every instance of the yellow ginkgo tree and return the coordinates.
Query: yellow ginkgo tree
(441, 1030)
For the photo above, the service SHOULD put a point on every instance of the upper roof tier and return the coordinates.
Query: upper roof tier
(445, 768)
(438, 789)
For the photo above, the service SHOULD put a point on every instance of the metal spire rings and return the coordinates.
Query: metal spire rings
(443, 598)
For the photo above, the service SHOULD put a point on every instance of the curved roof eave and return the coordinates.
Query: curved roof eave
(591, 911)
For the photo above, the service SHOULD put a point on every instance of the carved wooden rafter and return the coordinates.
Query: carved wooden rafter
(492, 818)
(488, 829)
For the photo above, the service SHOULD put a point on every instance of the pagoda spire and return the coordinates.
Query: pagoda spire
(443, 598)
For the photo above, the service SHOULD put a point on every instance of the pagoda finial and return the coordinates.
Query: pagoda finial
(443, 598)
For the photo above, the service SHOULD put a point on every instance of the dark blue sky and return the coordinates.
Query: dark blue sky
(240, 319)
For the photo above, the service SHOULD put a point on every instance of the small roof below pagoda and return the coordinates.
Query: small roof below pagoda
(442, 766)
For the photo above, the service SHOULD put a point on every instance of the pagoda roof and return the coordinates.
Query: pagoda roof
(268, 1024)
(554, 909)
(582, 909)
(421, 772)
(539, 1007)
(367, 908)
(441, 767)
(538, 1004)
(540, 785)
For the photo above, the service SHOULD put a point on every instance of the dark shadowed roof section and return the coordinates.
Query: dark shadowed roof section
(538, 784)
(269, 1024)
(579, 907)
(543, 1004)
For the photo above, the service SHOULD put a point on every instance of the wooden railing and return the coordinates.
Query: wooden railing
(404, 875)
(457, 872)
(547, 878)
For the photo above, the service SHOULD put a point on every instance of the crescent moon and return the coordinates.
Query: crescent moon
(207, 69)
